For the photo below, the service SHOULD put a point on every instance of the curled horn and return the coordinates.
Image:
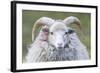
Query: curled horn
(39, 23)
(71, 19)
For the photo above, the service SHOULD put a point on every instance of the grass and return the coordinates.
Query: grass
(30, 16)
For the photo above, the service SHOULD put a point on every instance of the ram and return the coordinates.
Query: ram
(63, 42)
(37, 51)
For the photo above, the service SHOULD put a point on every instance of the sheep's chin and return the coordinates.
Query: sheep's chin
(60, 48)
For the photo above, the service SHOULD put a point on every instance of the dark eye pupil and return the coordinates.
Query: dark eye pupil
(51, 33)
(70, 31)
(66, 32)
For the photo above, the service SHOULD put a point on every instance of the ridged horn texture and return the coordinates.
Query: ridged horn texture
(39, 23)
(72, 20)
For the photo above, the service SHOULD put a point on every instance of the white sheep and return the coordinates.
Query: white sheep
(75, 50)
(63, 43)
(37, 52)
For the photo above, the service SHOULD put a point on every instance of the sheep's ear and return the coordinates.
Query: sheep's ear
(45, 29)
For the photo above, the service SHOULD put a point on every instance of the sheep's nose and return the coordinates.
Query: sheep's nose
(60, 44)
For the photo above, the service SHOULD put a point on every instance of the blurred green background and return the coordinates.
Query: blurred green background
(30, 16)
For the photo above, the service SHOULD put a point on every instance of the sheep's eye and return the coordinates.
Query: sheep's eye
(66, 32)
(51, 33)
(70, 31)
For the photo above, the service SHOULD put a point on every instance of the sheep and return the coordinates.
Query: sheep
(63, 42)
(37, 52)
(74, 50)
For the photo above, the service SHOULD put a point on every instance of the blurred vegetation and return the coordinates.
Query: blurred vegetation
(30, 16)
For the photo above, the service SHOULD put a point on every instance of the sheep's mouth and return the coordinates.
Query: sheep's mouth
(60, 47)
(65, 46)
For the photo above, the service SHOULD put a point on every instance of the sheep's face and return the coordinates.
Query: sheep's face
(59, 35)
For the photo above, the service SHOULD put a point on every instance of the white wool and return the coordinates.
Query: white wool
(81, 49)
(75, 51)
(38, 50)
(42, 51)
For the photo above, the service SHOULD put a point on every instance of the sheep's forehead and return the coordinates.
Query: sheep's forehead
(58, 26)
